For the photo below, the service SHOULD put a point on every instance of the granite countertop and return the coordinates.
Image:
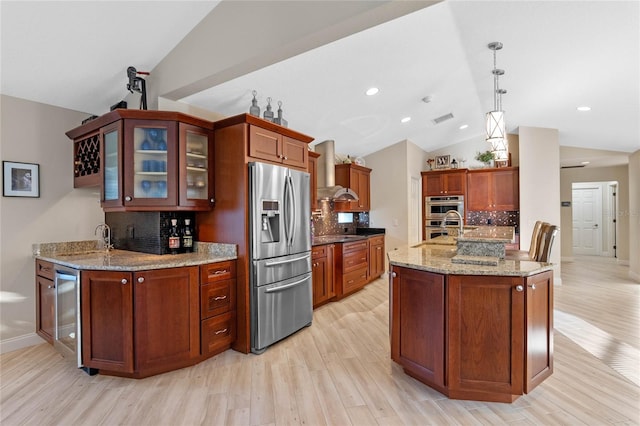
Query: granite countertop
(494, 234)
(86, 255)
(361, 234)
(438, 258)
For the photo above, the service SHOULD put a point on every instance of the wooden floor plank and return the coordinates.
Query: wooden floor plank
(339, 372)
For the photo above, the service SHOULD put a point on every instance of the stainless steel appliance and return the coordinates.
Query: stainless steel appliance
(68, 337)
(435, 210)
(280, 232)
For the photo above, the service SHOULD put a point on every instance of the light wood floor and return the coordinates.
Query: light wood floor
(338, 372)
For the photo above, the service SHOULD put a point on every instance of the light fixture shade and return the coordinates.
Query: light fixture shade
(495, 125)
(500, 149)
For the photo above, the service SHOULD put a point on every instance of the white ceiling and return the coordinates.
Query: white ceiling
(557, 55)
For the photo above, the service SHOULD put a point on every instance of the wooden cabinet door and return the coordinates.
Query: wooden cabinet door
(431, 184)
(418, 323)
(357, 178)
(364, 191)
(322, 274)
(376, 257)
(294, 153)
(107, 320)
(45, 308)
(313, 181)
(505, 190)
(486, 336)
(539, 340)
(478, 191)
(265, 144)
(167, 323)
(454, 183)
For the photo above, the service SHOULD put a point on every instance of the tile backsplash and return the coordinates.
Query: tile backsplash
(501, 218)
(330, 222)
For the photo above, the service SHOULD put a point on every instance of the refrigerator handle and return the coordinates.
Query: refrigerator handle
(293, 207)
(286, 212)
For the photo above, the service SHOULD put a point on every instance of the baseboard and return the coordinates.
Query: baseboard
(14, 343)
(634, 276)
(623, 262)
(567, 259)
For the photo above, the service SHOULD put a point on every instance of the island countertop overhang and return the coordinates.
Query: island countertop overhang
(437, 258)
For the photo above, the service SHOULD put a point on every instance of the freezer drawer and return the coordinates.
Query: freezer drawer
(280, 310)
(270, 271)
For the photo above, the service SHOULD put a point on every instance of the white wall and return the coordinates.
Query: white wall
(35, 133)
(540, 185)
(393, 168)
(634, 216)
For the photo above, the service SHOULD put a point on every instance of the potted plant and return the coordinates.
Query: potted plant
(485, 157)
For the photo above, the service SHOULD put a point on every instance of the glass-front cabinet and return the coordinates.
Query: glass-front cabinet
(196, 178)
(150, 163)
(146, 160)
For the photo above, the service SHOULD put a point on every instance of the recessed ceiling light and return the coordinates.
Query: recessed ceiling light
(406, 119)
(464, 126)
(584, 108)
(372, 91)
(585, 162)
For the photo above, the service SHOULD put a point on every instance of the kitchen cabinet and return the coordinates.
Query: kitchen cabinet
(376, 256)
(148, 160)
(418, 324)
(322, 273)
(493, 189)
(358, 179)
(141, 323)
(228, 221)
(351, 267)
(217, 307)
(445, 182)
(313, 173)
(45, 300)
(276, 148)
(477, 337)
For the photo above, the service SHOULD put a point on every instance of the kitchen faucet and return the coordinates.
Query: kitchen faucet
(460, 221)
(105, 234)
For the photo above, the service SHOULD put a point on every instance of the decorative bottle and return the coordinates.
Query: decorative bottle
(187, 237)
(268, 114)
(174, 237)
(254, 109)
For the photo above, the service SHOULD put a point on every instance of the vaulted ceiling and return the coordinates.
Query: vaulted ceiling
(557, 56)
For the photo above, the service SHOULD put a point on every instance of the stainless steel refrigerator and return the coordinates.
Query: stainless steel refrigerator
(281, 286)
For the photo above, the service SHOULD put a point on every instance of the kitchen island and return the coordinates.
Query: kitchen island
(134, 314)
(470, 330)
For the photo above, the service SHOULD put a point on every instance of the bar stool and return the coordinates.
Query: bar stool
(536, 240)
(548, 236)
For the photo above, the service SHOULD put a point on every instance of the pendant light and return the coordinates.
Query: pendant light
(496, 127)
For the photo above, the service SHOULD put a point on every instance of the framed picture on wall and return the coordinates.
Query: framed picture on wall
(442, 161)
(20, 179)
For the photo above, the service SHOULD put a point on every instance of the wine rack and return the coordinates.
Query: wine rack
(86, 165)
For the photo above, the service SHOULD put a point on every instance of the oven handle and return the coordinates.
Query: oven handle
(284, 287)
(283, 262)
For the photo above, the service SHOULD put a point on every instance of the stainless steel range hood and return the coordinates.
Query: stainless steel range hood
(327, 188)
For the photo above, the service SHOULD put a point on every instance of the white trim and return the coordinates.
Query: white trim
(634, 276)
(14, 343)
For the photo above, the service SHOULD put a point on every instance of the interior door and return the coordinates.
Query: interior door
(587, 219)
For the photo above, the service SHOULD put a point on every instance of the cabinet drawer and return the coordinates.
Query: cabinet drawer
(354, 280)
(218, 333)
(356, 245)
(44, 269)
(378, 239)
(354, 260)
(318, 251)
(217, 298)
(219, 271)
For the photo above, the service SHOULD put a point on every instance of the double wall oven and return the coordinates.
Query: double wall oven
(436, 208)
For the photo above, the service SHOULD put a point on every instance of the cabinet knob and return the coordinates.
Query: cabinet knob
(51, 286)
(532, 286)
(128, 198)
(124, 281)
(519, 288)
(212, 200)
(140, 279)
(393, 275)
